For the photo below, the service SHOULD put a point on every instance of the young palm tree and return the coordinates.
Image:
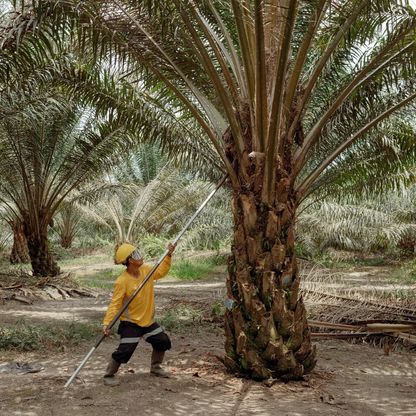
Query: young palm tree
(213, 229)
(155, 205)
(47, 151)
(365, 203)
(365, 227)
(67, 223)
(282, 89)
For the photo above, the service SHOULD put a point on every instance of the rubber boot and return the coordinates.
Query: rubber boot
(112, 368)
(155, 368)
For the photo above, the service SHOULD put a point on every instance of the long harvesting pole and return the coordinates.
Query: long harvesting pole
(146, 279)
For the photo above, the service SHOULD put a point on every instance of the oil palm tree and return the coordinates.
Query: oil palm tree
(151, 205)
(355, 204)
(283, 90)
(67, 223)
(102, 198)
(48, 149)
(366, 227)
(213, 229)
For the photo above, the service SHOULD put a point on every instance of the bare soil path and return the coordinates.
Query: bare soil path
(349, 379)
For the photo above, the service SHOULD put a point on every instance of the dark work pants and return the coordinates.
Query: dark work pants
(130, 335)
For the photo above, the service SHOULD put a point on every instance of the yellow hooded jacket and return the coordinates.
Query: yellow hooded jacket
(141, 310)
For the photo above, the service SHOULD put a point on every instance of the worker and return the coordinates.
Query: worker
(137, 321)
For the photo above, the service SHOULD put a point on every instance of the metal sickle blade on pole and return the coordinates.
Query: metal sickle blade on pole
(148, 276)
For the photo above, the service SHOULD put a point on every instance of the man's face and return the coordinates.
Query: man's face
(136, 258)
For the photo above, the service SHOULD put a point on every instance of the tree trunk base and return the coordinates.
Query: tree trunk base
(267, 334)
(41, 258)
(20, 251)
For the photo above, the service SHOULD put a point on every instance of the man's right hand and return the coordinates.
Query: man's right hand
(106, 330)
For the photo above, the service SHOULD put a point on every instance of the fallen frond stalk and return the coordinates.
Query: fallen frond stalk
(370, 327)
(319, 324)
(394, 310)
(407, 337)
(390, 327)
(365, 329)
(341, 335)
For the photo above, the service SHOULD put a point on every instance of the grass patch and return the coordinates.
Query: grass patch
(6, 267)
(184, 317)
(405, 274)
(332, 261)
(181, 318)
(103, 279)
(218, 309)
(369, 261)
(89, 260)
(194, 269)
(181, 269)
(28, 337)
(398, 295)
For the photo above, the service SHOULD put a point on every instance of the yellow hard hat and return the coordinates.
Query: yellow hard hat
(123, 252)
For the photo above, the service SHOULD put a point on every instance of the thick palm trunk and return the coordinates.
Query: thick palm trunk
(41, 258)
(267, 334)
(20, 251)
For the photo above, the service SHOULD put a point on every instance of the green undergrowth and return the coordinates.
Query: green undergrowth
(6, 267)
(334, 262)
(24, 336)
(398, 295)
(103, 279)
(400, 270)
(183, 317)
(194, 269)
(405, 274)
(88, 260)
(181, 269)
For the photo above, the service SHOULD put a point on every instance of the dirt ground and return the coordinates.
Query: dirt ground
(350, 379)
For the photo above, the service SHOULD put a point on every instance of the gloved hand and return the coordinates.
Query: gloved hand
(171, 248)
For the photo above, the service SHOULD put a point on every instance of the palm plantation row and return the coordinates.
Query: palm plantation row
(143, 195)
(294, 100)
